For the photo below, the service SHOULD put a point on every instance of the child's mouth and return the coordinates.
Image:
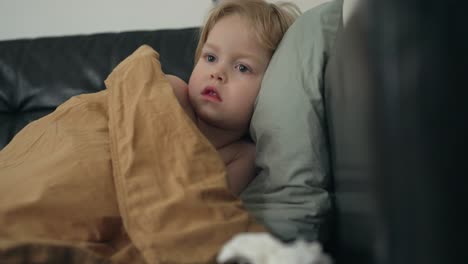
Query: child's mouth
(211, 93)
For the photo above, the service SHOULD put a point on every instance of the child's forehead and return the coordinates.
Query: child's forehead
(236, 18)
(235, 25)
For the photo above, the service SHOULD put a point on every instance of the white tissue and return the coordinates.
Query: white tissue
(263, 248)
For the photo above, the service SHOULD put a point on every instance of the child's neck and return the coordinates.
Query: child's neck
(219, 137)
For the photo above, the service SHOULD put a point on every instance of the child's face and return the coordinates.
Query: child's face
(227, 77)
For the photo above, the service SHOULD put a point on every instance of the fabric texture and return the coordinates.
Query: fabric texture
(263, 248)
(289, 194)
(123, 174)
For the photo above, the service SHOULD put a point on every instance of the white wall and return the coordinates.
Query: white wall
(35, 18)
(304, 4)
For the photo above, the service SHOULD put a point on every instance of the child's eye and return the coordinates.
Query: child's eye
(210, 58)
(243, 68)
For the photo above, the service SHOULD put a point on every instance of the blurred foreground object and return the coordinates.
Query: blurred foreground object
(397, 115)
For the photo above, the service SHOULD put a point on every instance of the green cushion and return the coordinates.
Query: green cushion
(289, 194)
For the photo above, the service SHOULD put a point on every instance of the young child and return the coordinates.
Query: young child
(233, 53)
(88, 175)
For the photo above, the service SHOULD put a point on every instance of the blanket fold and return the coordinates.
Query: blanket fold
(123, 173)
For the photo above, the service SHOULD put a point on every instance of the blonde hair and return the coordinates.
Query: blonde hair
(269, 21)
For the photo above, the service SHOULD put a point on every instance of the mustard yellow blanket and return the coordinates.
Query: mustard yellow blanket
(122, 175)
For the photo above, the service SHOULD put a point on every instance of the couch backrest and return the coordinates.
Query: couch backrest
(37, 75)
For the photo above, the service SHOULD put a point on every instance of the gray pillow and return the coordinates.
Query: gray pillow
(289, 194)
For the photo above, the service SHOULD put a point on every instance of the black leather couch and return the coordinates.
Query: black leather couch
(398, 149)
(37, 75)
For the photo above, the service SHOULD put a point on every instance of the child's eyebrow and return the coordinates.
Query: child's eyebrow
(211, 46)
(244, 54)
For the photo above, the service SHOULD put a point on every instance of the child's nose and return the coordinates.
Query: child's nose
(218, 75)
